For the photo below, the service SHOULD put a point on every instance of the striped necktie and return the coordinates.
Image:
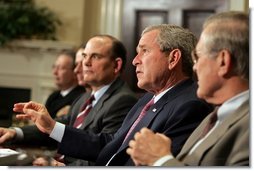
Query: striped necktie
(85, 110)
(141, 115)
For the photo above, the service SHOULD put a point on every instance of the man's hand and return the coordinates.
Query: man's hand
(41, 161)
(147, 147)
(6, 134)
(37, 113)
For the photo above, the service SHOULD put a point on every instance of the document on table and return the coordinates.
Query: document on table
(6, 152)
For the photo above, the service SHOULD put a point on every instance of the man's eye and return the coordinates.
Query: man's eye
(84, 55)
(144, 50)
(95, 56)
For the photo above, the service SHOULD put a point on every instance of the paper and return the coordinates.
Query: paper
(6, 152)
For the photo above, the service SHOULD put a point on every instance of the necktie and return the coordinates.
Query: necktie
(78, 122)
(211, 122)
(141, 115)
(85, 110)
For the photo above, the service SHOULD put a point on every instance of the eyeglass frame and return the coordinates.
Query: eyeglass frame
(195, 57)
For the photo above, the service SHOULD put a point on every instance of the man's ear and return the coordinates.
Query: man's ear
(118, 65)
(224, 62)
(173, 58)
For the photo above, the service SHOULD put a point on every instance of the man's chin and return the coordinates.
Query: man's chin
(199, 94)
(142, 86)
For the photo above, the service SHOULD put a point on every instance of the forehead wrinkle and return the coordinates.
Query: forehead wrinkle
(139, 47)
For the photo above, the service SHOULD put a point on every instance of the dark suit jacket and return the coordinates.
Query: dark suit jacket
(56, 101)
(105, 117)
(109, 112)
(227, 145)
(176, 114)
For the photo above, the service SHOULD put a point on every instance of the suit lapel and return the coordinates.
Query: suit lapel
(154, 110)
(148, 120)
(219, 131)
(97, 108)
(195, 136)
(144, 122)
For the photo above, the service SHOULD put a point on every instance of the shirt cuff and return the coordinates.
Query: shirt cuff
(162, 160)
(19, 134)
(57, 132)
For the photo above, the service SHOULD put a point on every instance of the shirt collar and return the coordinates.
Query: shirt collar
(67, 91)
(232, 104)
(157, 97)
(99, 93)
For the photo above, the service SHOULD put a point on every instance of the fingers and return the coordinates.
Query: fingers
(146, 131)
(6, 134)
(147, 147)
(4, 138)
(163, 136)
(21, 108)
(132, 148)
(18, 107)
(131, 152)
(56, 163)
(28, 114)
(40, 162)
(132, 144)
(23, 117)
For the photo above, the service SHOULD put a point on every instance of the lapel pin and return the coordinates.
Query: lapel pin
(154, 110)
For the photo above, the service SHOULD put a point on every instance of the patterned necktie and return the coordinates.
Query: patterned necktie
(141, 115)
(78, 122)
(210, 124)
(85, 110)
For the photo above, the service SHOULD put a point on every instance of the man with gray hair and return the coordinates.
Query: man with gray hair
(164, 69)
(221, 61)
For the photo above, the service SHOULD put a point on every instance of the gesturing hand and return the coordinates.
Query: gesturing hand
(6, 134)
(37, 113)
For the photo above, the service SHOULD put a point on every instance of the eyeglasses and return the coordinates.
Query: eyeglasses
(194, 56)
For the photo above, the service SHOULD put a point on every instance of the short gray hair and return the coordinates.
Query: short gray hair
(230, 31)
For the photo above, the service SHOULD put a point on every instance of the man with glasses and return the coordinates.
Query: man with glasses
(164, 69)
(221, 61)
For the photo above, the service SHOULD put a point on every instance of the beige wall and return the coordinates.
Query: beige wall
(71, 14)
(84, 18)
(239, 5)
(92, 14)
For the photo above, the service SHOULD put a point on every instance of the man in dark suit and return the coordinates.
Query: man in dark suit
(113, 97)
(59, 102)
(164, 69)
(222, 65)
(65, 79)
